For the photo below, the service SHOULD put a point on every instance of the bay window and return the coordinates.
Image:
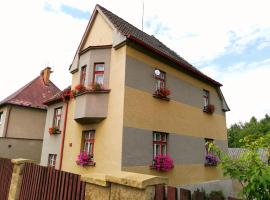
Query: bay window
(83, 76)
(99, 73)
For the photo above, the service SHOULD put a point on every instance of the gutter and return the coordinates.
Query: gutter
(131, 37)
(63, 137)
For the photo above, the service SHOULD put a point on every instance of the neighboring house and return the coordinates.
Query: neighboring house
(122, 114)
(22, 118)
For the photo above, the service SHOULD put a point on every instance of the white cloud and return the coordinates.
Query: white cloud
(199, 31)
(245, 89)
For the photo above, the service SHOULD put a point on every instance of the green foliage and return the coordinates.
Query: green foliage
(211, 195)
(248, 168)
(253, 129)
(216, 193)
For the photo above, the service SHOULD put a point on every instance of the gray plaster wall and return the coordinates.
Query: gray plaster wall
(138, 148)
(26, 122)
(52, 143)
(226, 186)
(140, 75)
(20, 148)
(96, 56)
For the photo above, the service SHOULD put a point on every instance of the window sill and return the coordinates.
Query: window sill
(91, 91)
(162, 98)
(92, 163)
(57, 133)
(210, 165)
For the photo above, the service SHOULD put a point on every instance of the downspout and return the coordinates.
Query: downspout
(63, 137)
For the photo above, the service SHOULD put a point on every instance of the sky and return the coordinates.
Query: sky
(226, 39)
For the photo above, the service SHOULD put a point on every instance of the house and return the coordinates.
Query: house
(22, 118)
(132, 99)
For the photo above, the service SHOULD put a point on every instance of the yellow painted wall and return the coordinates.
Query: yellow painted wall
(100, 33)
(108, 143)
(144, 111)
(182, 174)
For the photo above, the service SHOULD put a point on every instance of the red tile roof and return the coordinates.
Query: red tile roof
(153, 44)
(58, 97)
(32, 94)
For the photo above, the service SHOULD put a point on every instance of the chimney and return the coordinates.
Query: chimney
(45, 74)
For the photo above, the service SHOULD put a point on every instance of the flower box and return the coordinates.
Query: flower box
(210, 109)
(211, 160)
(54, 130)
(84, 159)
(162, 163)
(162, 93)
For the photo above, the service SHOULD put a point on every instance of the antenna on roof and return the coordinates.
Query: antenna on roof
(142, 14)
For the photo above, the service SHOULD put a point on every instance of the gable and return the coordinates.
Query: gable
(99, 34)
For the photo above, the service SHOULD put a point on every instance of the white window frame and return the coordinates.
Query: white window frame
(52, 160)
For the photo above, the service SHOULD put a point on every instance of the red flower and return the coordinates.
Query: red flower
(163, 92)
(54, 130)
(209, 109)
(79, 88)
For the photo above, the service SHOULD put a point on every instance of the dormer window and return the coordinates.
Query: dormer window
(83, 75)
(99, 73)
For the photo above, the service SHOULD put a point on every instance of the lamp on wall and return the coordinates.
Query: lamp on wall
(157, 72)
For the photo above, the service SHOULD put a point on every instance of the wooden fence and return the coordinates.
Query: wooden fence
(172, 193)
(46, 183)
(6, 169)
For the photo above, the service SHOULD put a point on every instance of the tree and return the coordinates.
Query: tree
(253, 129)
(249, 169)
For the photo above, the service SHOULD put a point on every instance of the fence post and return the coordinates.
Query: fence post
(16, 180)
(185, 194)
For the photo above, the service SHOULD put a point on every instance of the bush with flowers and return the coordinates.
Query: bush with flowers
(97, 87)
(54, 130)
(211, 159)
(83, 158)
(162, 163)
(162, 93)
(209, 108)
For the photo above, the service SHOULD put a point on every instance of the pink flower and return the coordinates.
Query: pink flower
(163, 163)
(83, 158)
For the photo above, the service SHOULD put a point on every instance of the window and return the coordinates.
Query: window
(1, 117)
(99, 73)
(160, 80)
(206, 96)
(88, 143)
(52, 160)
(207, 141)
(57, 117)
(159, 143)
(83, 75)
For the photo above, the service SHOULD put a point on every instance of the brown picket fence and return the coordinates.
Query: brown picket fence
(172, 193)
(6, 169)
(47, 183)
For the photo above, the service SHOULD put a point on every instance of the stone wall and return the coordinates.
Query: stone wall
(122, 185)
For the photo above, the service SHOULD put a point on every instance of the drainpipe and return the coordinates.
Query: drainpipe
(63, 136)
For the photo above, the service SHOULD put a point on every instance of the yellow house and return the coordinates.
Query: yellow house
(135, 99)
